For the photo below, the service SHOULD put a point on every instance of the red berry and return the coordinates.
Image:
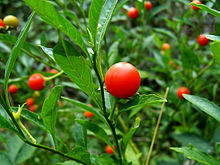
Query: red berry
(54, 71)
(181, 91)
(147, 5)
(2, 24)
(166, 46)
(133, 13)
(202, 40)
(30, 102)
(12, 89)
(196, 2)
(33, 108)
(109, 150)
(170, 62)
(122, 80)
(36, 82)
(88, 114)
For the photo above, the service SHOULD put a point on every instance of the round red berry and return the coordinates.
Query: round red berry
(30, 102)
(181, 91)
(202, 40)
(36, 82)
(147, 5)
(196, 2)
(109, 150)
(122, 80)
(88, 114)
(133, 13)
(33, 108)
(2, 24)
(54, 71)
(12, 89)
(166, 46)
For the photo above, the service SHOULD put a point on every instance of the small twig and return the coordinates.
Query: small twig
(157, 126)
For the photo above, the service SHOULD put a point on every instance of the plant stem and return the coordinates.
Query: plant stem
(104, 108)
(156, 129)
(202, 72)
(54, 76)
(115, 102)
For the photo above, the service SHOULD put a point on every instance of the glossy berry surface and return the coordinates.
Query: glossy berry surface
(11, 21)
(2, 24)
(30, 102)
(166, 46)
(202, 40)
(88, 114)
(109, 150)
(147, 5)
(196, 2)
(36, 82)
(122, 80)
(133, 13)
(181, 91)
(33, 108)
(12, 89)
(54, 71)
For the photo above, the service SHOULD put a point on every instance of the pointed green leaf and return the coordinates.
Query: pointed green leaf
(4, 159)
(5, 123)
(206, 8)
(80, 153)
(213, 37)
(76, 67)
(94, 14)
(215, 48)
(86, 107)
(49, 109)
(50, 15)
(104, 20)
(48, 52)
(15, 52)
(96, 129)
(195, 154)
(142, 100)
(205, 105)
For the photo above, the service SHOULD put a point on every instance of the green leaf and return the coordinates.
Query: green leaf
(32, 117)
(120, 5)
(80, 153)
(166, 32)
(50, 15)
(141, 101)
(215, 48)
(48, 52)
(86, 107)
(195, 140)
(94, 14)
(96, 129)
(4, 159)
(69, 163)
(131, 132)
(103, 159)
(206, 8)
(195, 154)
(5, 124)
(80, 133)
(15, 52)
(14, 145)
(157, 10)
(76, 67)
(188, 57)
(105, 18)
(205, 105)
(213, 37)
(49, 109)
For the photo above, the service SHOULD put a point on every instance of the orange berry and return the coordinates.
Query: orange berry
(88, 114)
(109, 150)
(30, 102)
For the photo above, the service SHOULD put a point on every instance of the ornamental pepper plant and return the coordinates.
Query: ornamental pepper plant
(109, 82)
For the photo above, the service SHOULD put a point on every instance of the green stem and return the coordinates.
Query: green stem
(54, 76)
(201, 72)
(115, 102)
(104, 109)
(26, 131)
